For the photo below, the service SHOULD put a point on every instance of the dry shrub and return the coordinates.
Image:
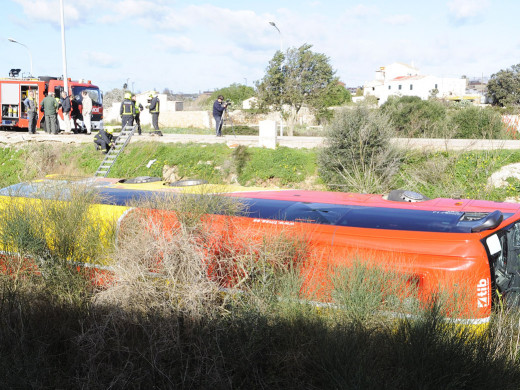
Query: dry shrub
(44, 158)
(504, 334)
(161, 256)
(165, 273)
(55, 227)
(174, 256)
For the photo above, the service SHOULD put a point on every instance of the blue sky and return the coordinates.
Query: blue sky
(191, 46)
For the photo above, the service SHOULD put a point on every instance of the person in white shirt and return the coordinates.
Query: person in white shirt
(87, 111)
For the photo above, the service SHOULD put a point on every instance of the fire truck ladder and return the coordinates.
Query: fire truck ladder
(119, 144)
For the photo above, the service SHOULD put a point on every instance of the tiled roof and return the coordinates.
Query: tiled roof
(404, 78)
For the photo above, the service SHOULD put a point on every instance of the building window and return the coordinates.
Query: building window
(411, 87)
(373, 88)
(436, 86)
(400, 87)
(389, 87)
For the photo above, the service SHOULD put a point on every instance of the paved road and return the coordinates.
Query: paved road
(8, 138)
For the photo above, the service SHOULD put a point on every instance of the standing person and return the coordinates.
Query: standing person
(58, 102)
(218, 110)
(32, 111)
(87, 111)
(50, 108)
(127, 111)
(66, 108)
(154, 110)
(75, 114)
(103, 139)
(138, 109)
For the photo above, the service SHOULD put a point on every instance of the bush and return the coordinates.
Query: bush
(474, 122)
(414, 117)
(358, 155)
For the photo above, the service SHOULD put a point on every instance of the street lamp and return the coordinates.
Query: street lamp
(63, 50)
(281, 70)
(30, 55)
(279, 32)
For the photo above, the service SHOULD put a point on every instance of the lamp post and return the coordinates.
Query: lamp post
(64, 50)
(30, 55)
(279, 32)
(281, 70)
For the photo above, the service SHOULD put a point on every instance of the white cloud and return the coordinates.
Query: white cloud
(363, 11)
(172, 43)
(399, 19)
(100, 59)
(49, 10)
(464, 10)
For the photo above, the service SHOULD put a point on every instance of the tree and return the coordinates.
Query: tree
(113, 96)
(237, 93)
(504, 87)
(299, 77)
(336, 95)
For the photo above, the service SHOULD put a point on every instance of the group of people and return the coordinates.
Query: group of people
(50, 106)
(130, 112)
(131, 109)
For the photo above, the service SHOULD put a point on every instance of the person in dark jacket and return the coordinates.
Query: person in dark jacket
(75, 113)
(104, 139)
(66, 107)
(50, 107)
(138, 109)
(127, 111)
(154, 110)
(32, 111)
(218, 110)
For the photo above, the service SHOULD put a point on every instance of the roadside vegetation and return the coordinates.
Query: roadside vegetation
(411, 117)
(434, 174)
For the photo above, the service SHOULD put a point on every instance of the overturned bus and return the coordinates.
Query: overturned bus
(469, 245)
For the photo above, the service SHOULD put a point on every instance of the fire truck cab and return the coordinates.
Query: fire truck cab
(14, 90)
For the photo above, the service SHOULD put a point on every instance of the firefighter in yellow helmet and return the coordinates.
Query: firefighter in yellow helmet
(127, 110)
(154, 110)
(104, 139)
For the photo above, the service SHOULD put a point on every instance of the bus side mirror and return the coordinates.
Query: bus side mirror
(491, 221)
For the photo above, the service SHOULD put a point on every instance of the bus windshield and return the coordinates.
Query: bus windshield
(93, 92)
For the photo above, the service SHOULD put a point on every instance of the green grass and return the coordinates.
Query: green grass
(11, 165)
(457, 174)
(436, 174)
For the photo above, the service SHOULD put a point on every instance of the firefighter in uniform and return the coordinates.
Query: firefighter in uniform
(138, 109)
(127, 111)
(154, 110)
(49, 106)
(103, 139)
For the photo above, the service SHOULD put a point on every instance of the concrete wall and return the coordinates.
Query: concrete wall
(167, 118)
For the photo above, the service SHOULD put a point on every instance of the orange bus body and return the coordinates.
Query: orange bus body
(465, 247)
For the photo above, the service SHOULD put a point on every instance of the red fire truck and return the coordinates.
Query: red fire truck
(13, 92)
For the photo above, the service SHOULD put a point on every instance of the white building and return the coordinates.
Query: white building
(400, 79)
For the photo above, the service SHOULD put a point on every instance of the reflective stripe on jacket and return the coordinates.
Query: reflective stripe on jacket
(127, 107)
(154, 105)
